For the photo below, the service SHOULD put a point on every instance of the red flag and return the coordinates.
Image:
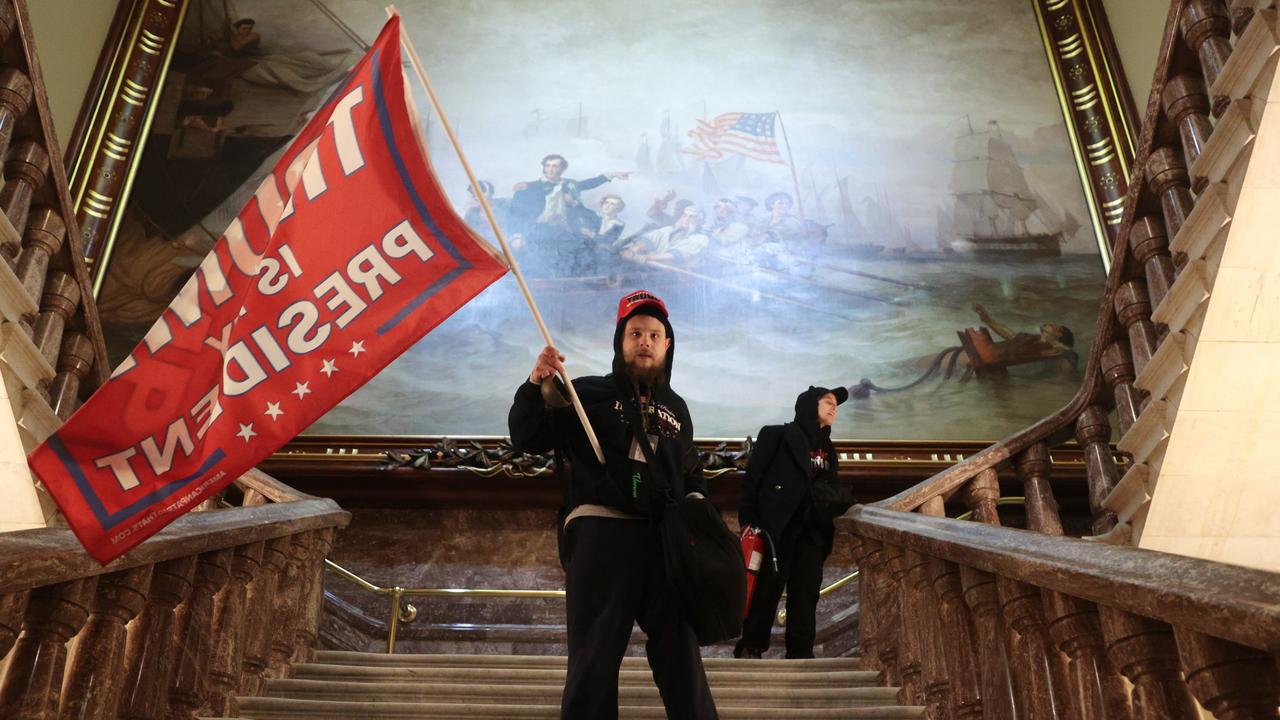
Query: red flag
(347, 254)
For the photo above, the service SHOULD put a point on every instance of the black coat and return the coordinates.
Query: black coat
(537, 428)
(782, 482)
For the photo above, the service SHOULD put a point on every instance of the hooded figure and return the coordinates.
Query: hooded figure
(790, 493)
(610, 544)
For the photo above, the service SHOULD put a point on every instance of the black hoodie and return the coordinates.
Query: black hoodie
(792, 473)
(620, 484)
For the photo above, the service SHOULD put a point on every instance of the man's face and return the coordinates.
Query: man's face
(609, 206)
(553, 169)
(1050, 333)
(782, 205)
(688, 219)
(644, 345)
(724, 209)
(828, 409)
(244, 29)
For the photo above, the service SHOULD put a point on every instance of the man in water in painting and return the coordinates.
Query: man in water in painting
(1054, 342)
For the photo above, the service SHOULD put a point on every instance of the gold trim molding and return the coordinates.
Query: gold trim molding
(1095, 106)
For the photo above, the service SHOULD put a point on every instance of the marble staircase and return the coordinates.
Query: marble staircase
(487, 687)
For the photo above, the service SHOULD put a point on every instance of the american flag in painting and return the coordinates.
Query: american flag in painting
(748, 134)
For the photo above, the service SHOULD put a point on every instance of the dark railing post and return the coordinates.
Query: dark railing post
(261, 596)
(194, 640)
(937, 681)
(889, 618)
(1093, 432)
(149, 658)
(868, 610)
(1206, 27)
(960, 662)
(33, 678)
(287, 606)
(1167, 179)
(1187, 105)
(1117, 369)
(1231, 681)
(1133, 308)
(229, 616)
(983, 600)
(910, 665)
(313, 595)
(92, 688)
(12, 609)
(1144, 652)
(1150, 245)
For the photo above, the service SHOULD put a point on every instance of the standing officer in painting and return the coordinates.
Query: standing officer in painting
(790, 493)
(610, 544)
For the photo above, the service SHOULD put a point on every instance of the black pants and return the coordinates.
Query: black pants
(614, 578)
(801, 553)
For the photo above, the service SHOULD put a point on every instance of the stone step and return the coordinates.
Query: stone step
(757, 672)
(342, 657)
(771, 696)
(288, 709)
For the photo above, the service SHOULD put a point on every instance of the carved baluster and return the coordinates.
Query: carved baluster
(1144, 652)
(15, 98)
(868, 608)
(149, 658)
(955, 630)
(1087, 685)
(1093, 432)
(45, 233)
(229, 616)
(927, 630)
(1168, 180)
(1029, 649)
(983, 601)
(61, 296)
(260, 598)
(33, 676)
(92, 689)
(313, 596)
(910, 656)
(1134, 310)
(889, 622)
(12, 608)
(24, 170)
(194, 640)
(8, 22)
(74, 362)
(1206, 27)
(1187, 105)
(288, 608)
(1117, 369)
(1242, 12)
(1150, 244)
(1231, 681)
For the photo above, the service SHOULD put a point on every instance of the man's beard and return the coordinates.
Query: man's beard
(651, 376)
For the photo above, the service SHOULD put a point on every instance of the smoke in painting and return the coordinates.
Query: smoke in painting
(875, 194)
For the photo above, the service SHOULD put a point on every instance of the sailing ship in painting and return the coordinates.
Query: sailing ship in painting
(996, 214)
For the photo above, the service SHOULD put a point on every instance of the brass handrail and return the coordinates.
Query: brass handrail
(406, 612)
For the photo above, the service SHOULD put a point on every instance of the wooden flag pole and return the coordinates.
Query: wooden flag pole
(795, 180)
(421, 72)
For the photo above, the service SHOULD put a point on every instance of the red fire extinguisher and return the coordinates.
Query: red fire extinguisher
(753, 544)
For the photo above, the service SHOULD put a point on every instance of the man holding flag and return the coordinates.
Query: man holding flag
(346, 255)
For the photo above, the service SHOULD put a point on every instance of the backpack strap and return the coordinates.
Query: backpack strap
(631, 407)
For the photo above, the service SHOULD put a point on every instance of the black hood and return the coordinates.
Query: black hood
(807, 410)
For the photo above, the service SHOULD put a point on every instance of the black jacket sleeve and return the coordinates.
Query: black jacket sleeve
(761, 457)
(530, 422)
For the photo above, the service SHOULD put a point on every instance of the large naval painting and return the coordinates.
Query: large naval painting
(878, 194)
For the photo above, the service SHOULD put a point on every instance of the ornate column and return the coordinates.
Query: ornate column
(1231, 681)
(1134, 310)
(194, 640)
(1150, 244)
(12, 609)
(983, 600)
(15, 98)
(92, 689)
(959, 662)
(1206, 27)
(1117, 369)
(288, 607)
(149, 657)
(1093, 432)
(1168, 180)
(1144, 652)
(57, 306)
(260, 596)
(24, 171)
(74, 363)
(229, 618)
(33, 679)
(45, 233)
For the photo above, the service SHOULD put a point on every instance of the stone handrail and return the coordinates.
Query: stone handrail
(177, 627)
(980, 621)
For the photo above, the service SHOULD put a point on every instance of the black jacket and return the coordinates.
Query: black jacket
(781, 480)
(537, 428)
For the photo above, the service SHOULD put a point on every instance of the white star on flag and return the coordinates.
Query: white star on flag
(330, 367)
(357, 348)
(301, 389)
(273, 409)
(246, 431)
